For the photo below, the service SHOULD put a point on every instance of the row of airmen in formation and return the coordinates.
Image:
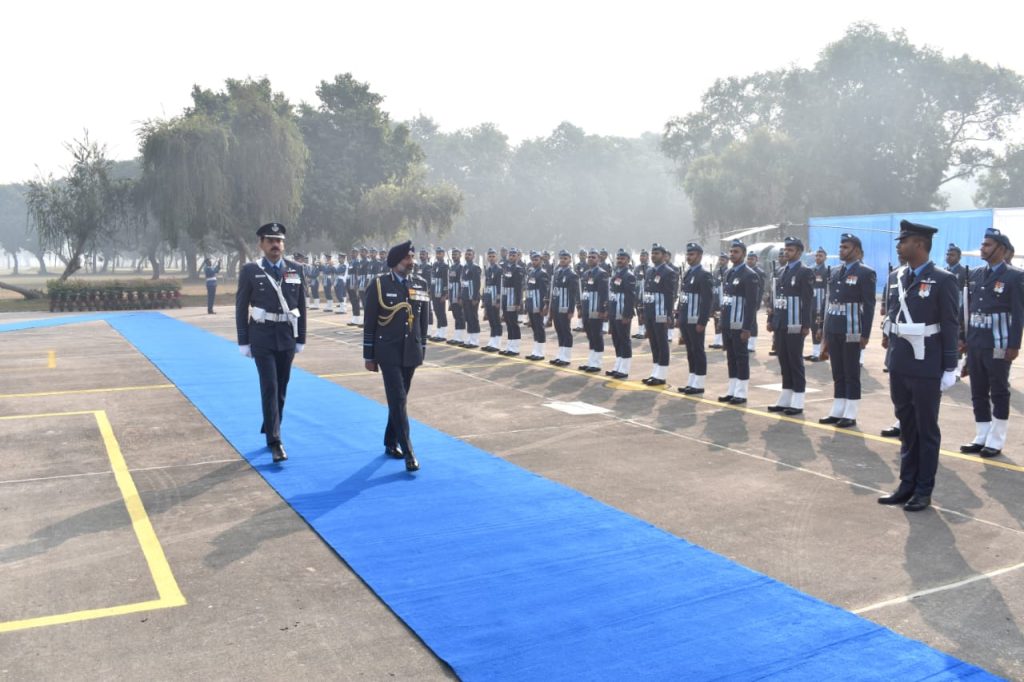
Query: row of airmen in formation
(925, 331)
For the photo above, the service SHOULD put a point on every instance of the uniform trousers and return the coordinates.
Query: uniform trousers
(327, 290)
(512, 322)
(620, 337)
(339, 292)
(990, 384)
(563, 329)
(397, 380)
(314, 287)
(471, 311)
(459, 314)
(916, 401)
(696, 355)
(592, 326)
(537, 325)
(274, 368)
(737, 357)
(353, 298)
(211, 294)
(789, 348)
(493, 314)
(657, 334)
(845, 359)
(439, 312)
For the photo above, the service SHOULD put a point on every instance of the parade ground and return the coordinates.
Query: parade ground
(139, 543)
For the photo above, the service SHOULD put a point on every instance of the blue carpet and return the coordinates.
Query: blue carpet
(508, 576)
(56, 321)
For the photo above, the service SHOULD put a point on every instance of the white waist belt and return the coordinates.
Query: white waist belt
(916, 329)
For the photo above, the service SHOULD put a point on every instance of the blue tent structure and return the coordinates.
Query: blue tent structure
(878, 233)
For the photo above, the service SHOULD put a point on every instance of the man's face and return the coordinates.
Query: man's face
(563, 261)
(846, 251)
(272, 247)
(364, 254)
(470, 255)
(439, 257)
(583, 256)
(644, 258)
(492, 258)
(992, 251)
(405, 265)
(819, 258)
(513, 257)
(456, 255)
(736, 254)
(603, 257)
(592, 259)
(952, 258)
(504, 254)
(424, 257)
(791, 253)
(751, 260)
(693, 258)
(535, 261)
(657, 257)
(621, 261)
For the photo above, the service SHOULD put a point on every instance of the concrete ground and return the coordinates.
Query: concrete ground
(266, 599)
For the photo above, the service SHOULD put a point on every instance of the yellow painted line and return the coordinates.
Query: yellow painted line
(79, 391)
(636, 386)
(51, 361)
(76, 616)
(47, 414)
(167, 587)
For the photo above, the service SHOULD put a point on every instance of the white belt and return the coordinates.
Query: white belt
(727, 300)
(780, 304)
(981, 320)
(211, 279)
(916, 329)
(836, 309)
(648, 298)
(273, 317)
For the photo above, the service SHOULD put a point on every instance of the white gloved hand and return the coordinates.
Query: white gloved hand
(299, 347)
(245, 350)
(948, 379)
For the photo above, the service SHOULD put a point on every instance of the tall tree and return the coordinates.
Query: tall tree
(353, 147)
(1003, 184)
(71, 215)
(877, 125)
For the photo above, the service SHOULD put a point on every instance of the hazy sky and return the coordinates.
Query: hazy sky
(614, 68)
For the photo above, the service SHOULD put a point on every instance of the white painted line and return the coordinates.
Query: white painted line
(941, 588)
(576, 408)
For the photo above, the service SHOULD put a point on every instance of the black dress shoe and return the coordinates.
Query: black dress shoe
(647, 380)
(845, 423)
(453, 342)
(990, 452)
(554, 361)
(560, 363)
(470, 345)
(724, 398)
(619, 375)
(715, 346)
(592, 370)
(534, 357)
(393, 452)
(410, 462)
(489, 349)
(829, 420)
(610, 372)
(584, 368)
(639, 336)
(511, 354)
(893, 432)
(278, 452)
(738, 401)
(792, 411)
(773, 353)
(656, 382)
(972, 448)
(690, 390)
(898, 497)
(918, 502)
(777, 408)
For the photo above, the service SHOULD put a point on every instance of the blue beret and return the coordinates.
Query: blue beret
(694, 246)
(622, 253)
(564, 254)
(794, 241)
(953, 247)
(998, 237)
(657, 247)
(850, 238)
(738, 243)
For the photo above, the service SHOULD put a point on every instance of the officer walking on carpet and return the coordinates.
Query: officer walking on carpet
(920, 333)
(270, 320)
(395, 343)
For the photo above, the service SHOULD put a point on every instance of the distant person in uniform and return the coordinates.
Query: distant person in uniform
(821, 276)
(921, 335)
(762, 280)
(395, 342)
(741, 288)
(621, 308)
(565, 298)
(695, 302)
(270, 319)
(210, 272)
(992, 343)
(790, 323)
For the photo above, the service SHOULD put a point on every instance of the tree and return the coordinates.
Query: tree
(15, 233)
(71, 214)
(1003, 184)
(232, 161)
(353, 148)
(876, 125)
(412, 206)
